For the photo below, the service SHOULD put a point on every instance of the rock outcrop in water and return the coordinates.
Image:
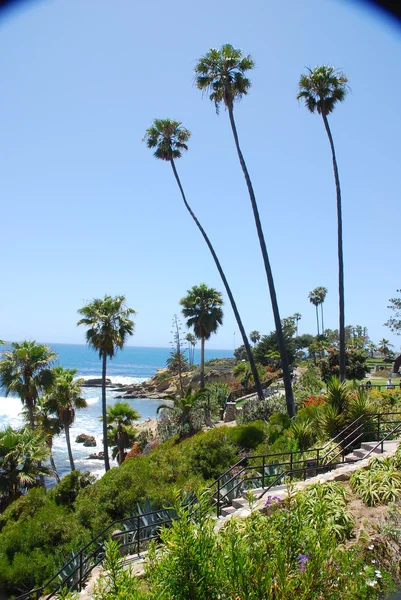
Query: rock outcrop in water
(85, 439)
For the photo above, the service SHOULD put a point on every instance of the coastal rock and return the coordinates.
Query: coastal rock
(98, 456)
(85, 439)
(97, 382)
(90, 441)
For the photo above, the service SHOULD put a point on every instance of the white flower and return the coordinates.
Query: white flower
(372, 583)
(371, 547)
(378, 575)
(373, 561)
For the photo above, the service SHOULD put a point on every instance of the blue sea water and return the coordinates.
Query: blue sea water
(133, 364)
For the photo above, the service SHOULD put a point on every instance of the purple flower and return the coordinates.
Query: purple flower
(272, 500)
(302, 560)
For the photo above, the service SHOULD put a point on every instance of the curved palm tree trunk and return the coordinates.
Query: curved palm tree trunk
(277, 321)
(340, 253)
(104, 411)
(67, 438)
(202, 365)
(248, 349)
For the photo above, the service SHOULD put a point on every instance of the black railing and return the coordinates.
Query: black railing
(264, 471)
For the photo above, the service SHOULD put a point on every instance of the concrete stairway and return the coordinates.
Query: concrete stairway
(240, 504)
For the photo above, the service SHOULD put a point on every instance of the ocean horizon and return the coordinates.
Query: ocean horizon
(133, 364)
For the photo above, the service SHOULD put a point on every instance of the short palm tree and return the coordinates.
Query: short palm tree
(120, 417)
(63, 399)
(202, 309)
(169, 139)
(184, 404)
(21, 455)
(109, 325)
(222, 74)
(322, 88)
(384, 347)
(26, 371)
(51, 426)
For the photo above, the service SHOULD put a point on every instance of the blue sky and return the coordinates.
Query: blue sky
(87, 210)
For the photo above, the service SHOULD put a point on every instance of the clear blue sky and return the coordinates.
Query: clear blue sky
(87, 210)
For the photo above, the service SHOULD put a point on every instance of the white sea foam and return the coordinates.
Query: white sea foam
(116, 379)
(92, 400)
(10, 412)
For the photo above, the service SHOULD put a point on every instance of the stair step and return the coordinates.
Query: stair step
(228, 510)
(239, 502)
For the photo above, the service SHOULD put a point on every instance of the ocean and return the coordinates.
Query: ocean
(133, 364)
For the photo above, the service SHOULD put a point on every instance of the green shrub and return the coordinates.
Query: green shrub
(67, 490)
(248, 436)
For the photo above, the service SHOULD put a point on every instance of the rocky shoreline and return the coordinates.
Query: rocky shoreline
(162, 384)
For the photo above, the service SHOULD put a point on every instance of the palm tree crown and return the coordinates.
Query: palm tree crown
(168, 137)
(109, 324)
(25, 370)
(321, 88)
(222, 74)
(202, 309)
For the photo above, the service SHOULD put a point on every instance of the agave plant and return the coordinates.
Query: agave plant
(74, 570)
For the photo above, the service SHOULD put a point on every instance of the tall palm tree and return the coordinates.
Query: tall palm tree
(191, 339)
(202, 309)
(63, 399)
(315, 300)
(254, 336)
(109, 325)
(120, 417)
(26, 371)
(170, 139)
(222, 73)
(321, 88)
(322, 293)
(372, 349)
(21, 455)
(297, 317)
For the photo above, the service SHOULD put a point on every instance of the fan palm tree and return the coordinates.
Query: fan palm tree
(184, 404)
(202, 309)
(63, 399)
(384, 347)
(109, 325)
(170, 139)
(322, 293)
(26, 371)
(315, 300)
(254, 336)
(120, 417)
(322, 88)
(21, 455)
(222, 74)
(50, 426)
(191, 339)
(297, 317)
